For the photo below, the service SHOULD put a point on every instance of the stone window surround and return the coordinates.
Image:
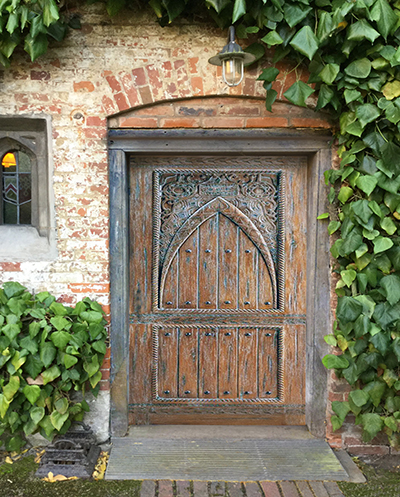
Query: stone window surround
(32, 135)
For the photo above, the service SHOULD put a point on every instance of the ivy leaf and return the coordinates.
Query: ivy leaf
(60, 338)
(11, 331)
(381, 244)
(47, 353)
(50, 374)
(367, 113)
(360, 68)
(61, 405)
(29, 344)
(94, 380)
(298, 93)
(391, 286)
(333, 227)
(239, 10)
(367, 184)
(381, 342)
(4, 403)
(351, 243)
(100, 347)
(329, 73)
(33, 365)
(305, 42)
(257, 50)
(268, 74)
(36, 46)
(17, 361)
(325, 96)
(384, 16)
(330, 340)
(388, 225)
(362, 29)
(294, 13)
(218, 4)
(37, 414)
(70, 360)
(391, 90)
(376, 390)
(272, 38)
(331, 361)
(113, 7)
(372, 424)
(348, 309)
(57, 419)
(91, 367)
(341, 409)
(391, 423)
(390, 377)
(11, 388)
(13, 289)
(325, 26)
(351, 95)
(59, 322)
(50, 12)
(32, 393)
(345, 193)
(348, 276)
(359, 397)
(270, 98)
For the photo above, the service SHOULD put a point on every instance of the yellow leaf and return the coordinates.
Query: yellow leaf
(342, 25)
(8, 460)
(391, 90)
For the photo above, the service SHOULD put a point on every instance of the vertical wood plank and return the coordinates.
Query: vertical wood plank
(208, 237)
(208, 363)
(188, 363)
(228, 264)
(247, 363)
(228, 370)
(167, 366)
(265, 295)
(169, 297)
(294, 343)
(295, 242)
(268, 363)
(187, 270)
(248, 255)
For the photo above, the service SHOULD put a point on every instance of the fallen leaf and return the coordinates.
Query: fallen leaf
(8, 460)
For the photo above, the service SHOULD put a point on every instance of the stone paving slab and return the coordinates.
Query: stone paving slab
(180, 488)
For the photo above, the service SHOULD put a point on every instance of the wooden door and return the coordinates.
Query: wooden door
(218, 290)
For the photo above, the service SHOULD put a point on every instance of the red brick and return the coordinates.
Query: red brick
(84, 86)
(253, 489)
(289, 489)
(182, 489)
(379, 450)
(179, 123)
(193, 61)
(139, 76)
(108, 105)
(89, 287)
(165, 488)
(154, 77)
(40, 75)
(139, 122)
(155, 110)
(266, 122)
(95, 132)
(114, 84)
(167, 69)
(197, 85)
(105, 375)
(240, 110)
(96, 121)
(104, 385)
(336, 397)
(145, 93)
(10, 266)
(130, 90)
(249, 86)
(270, 489)
(223, 122)
(121, 101)
(196, 111)
(309, 123)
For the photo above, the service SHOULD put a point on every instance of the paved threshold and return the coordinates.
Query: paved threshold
(180, 488)
(224, 453)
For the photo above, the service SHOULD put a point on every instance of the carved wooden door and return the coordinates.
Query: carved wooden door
(218, 290)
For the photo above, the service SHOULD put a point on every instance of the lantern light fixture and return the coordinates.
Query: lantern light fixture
(232, 59)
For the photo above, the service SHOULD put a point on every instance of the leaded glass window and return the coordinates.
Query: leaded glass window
(16, 188)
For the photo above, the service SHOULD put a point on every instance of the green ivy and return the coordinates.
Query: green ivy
(351, 51)
(47, 351)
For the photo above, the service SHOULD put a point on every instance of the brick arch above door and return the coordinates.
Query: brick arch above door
(218, 111)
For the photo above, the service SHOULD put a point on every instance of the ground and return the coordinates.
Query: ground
(18, 480)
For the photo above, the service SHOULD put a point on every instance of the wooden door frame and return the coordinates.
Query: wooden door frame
(233, 142)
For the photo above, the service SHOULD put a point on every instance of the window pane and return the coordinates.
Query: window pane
(16, 188)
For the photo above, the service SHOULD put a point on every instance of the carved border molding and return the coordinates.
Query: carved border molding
(277, 270)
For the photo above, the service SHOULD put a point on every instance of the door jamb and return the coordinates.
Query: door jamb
(234, 142)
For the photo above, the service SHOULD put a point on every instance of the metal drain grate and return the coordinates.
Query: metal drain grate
(75, 454)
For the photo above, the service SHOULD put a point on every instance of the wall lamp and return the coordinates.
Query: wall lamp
(232, 59)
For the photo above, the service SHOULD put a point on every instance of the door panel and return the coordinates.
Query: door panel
(218, 290)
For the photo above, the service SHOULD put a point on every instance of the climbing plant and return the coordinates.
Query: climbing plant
(350, 49)
(47, 351)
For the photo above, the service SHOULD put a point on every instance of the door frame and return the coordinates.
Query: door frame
(316, 145)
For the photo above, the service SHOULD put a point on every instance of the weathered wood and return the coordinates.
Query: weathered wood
(228, 249)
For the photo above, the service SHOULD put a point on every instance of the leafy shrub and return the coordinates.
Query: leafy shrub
(47, 351)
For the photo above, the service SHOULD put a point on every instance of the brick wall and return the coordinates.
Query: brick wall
(126, 72)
